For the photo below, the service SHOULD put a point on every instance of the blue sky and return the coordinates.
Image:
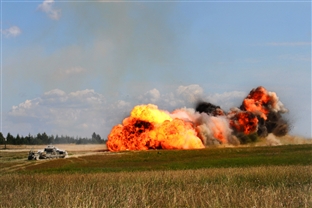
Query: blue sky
(75, 68)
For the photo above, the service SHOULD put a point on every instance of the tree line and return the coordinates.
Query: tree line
(43, 138)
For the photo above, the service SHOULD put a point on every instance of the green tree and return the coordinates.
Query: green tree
(96, 138)
(17, 140)
(51, 139)
(23, 140)
(57, 139)
(44, 138)
(29, 139)
(2, 139)
(9, 138)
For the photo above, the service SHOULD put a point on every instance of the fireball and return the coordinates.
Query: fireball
(151, 128)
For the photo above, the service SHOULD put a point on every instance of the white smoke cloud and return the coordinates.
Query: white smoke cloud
(13, 31)
(82, 112)
(48, 8)
(271, 140)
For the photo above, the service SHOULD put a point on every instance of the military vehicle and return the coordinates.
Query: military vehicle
(47, 153)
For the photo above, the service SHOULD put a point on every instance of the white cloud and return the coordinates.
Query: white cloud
(154, 94)
(227, 100)
(83, 112)
(23, 108)
(191, 92)
(56, 92)
(13, 31)
(188, 96)
(121, 104)
(57, 112)
(289, 44)
(286, 44)
(70, 71)
(151, 96)
(295, 57)
(47, 7)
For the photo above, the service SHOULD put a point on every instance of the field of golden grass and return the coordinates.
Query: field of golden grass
(286, 186)
(44, 183)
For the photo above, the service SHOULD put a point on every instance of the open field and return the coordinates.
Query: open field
(276, 176)
(282, 186)
(68, 147)
(15, 156)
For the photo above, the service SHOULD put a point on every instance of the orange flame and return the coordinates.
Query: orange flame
(257, 102)
(244, 121)
(150, 128)
(150, 113)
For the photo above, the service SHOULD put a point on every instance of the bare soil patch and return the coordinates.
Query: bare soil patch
(67, 147)
(14, 157)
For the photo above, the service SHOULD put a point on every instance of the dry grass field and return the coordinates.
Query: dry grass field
(68, 147)
(286, 186)
(218, 177)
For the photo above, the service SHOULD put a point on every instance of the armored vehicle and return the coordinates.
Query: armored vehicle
(47, 153)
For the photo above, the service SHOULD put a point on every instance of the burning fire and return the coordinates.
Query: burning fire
(244, 121)
(148, 127)
(151, 128)
(261, 102)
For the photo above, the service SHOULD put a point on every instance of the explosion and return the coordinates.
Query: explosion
(148, 127)
(151, 128)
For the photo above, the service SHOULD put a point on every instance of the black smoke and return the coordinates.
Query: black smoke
(208, 108)
(274, 123)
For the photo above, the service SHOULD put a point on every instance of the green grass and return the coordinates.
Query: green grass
(129, 161)
(267, 177)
